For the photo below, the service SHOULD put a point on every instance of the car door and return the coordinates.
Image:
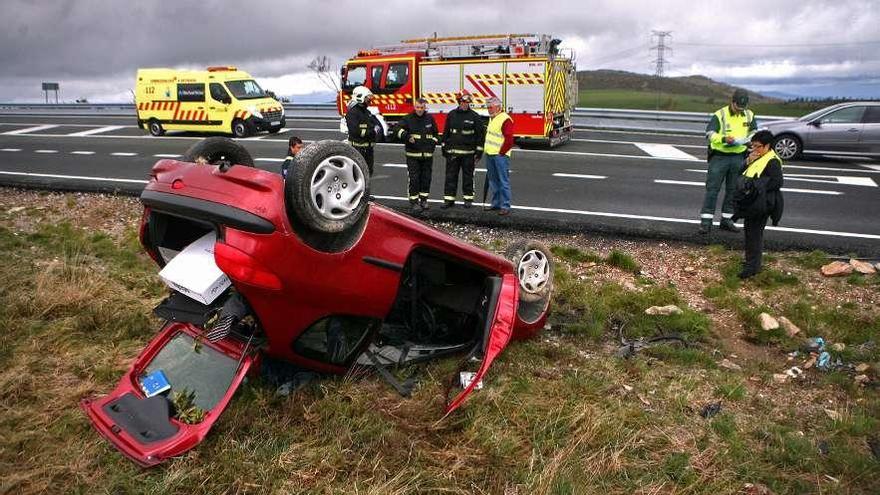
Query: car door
(838, 131)
(870, 140)
(499, 329)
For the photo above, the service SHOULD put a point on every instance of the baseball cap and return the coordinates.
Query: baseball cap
(741, 97)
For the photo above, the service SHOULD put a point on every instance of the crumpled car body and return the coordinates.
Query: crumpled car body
(387, 290)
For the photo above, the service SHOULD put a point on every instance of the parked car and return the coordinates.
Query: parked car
(851, 128)
(320, 278)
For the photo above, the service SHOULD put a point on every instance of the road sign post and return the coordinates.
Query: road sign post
(50, 86)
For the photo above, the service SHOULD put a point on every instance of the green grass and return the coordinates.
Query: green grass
(623, 261)
(647, 100)
(575, 255)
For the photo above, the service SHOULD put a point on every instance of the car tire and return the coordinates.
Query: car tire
(533, 265)
(788, 146)
(241, 129)
(327, 195)
(218, 151)
(155, 128)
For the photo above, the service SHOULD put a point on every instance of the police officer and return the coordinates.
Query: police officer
(462, 146)
(728, 136)
(418, 132)
(362, 132)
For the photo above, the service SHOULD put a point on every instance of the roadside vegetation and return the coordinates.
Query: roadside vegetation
(562, 414)
(647, 100)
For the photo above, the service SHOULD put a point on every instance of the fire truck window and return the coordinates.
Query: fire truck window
(376, 77)
(356, 76)
(397, 76)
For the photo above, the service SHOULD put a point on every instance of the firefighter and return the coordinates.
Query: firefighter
(362, 124)
(728, 136)
(418, 131)
(462, 147)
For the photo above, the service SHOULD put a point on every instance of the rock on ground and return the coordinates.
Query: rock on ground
(667, 310)
(837, 269)
(768, 322)
(863, 267)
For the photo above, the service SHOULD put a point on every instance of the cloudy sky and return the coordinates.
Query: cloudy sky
(94, 47)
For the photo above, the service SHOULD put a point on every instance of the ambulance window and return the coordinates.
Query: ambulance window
(376, 77)
(354, 77)
(218, 93)
(397, 76)
(191, 92)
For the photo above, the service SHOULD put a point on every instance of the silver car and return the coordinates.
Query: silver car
(848, 129)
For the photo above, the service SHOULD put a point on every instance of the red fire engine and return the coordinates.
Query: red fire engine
(535, 80)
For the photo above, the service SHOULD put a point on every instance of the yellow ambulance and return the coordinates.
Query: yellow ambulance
(219, 99)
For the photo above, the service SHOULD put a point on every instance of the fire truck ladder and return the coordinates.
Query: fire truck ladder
(478, 46)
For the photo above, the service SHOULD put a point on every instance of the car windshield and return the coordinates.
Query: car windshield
(813, 115)
(192, 367)
(247, 89)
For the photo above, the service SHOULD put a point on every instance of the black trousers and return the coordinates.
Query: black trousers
(464, 164)
(418, 170)
(367, 153)
(754, 245)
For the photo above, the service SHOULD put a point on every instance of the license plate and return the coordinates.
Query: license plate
(276, 123)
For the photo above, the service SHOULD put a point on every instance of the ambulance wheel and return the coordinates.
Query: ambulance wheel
(218, 151)
(155, 128)
(240, 128)
(534, 270)
(327, 195)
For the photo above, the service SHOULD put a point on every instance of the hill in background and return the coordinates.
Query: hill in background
(688, 85)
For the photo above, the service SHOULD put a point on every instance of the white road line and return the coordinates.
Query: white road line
(831, 169)
(166, 155)
(10, 149)
(315, 129)
(76, 177)
(581, 176)
(614, 131)
(276, 160)
(664, 151)
(28, 130)
(403, 165)
(872, 167)
(45, 151)
(786, 189)
(654, 218)
(605, 155)
(612, 141)
(99, 130)
(123, 153)
(82, 152)
(822, 179)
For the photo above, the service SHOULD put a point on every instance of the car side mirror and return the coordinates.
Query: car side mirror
(226, 100)
(815, 123)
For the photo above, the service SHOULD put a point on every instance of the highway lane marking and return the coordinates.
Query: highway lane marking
(831, 169)
(655, 218)
(46, 151)
(99, 130)
(872, 167)
(276, 160)
(786, 189)
(27, 130)
(75, 177)
(10, 149)
(403, 165)
(612, 141)
(123, 153)
(581, 176)
(82, 152)
(604, 155)
(665, 151)
(822, 179)
(166, 155)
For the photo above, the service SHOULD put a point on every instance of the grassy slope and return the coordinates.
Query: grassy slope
(647, 100)
(554, 417)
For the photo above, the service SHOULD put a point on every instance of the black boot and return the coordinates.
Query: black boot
(705, 226)
(728, 225)
(468, 203)
(424, 204)
(447, 204)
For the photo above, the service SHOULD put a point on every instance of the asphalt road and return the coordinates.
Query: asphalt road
(629, 183)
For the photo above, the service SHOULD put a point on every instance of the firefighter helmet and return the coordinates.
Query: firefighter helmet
(463, 95)
(361, 94)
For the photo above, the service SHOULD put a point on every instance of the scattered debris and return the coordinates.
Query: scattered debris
(728, 364)
(768, 322)
(814, 344)
(794, 372)
(836, 269)
(862, 367)
(823, 447)
(710, 410)
(809, 363)
(862, 267)
(834, 415)
(832, 478)
(780, 377)
(824, 361)
(861, 379)
(667, 310)
(466, 377)
(644, 400)
(756, 489)
(790, 328)
(838, 346)
(627, 388)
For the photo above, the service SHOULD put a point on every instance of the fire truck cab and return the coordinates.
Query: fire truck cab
(535, 80)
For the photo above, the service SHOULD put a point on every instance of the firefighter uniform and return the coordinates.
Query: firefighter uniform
(725, 161)
(462, 145)
(362, 131)
(419, 135)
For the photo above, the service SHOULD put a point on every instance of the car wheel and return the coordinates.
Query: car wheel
(156, 128)
(218, 151)
(327, 194)
(240, 129)
(787, 147)
(534, 270)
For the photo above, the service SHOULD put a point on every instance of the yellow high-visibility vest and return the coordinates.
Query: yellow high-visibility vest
(736, 125)
(494, 134)
(757, 167)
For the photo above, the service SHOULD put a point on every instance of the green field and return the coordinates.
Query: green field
(647, 100)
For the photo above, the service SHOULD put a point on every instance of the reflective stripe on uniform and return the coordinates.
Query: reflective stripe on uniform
(414, 197)
(449, 198)
(468, 198)
(361, 145)
(706, 215)
(461, 152)
(416, 154)
(727, 215)
(423, 194)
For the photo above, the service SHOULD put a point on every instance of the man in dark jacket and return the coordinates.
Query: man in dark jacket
(418, 132)
(294, 146)
(463, 138)
(362, 124)
(759, 197)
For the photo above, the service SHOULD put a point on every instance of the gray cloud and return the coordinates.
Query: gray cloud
(93, 45)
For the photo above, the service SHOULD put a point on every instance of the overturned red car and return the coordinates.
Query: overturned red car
(319, 277)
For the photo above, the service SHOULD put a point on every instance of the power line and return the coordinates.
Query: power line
(784, 45)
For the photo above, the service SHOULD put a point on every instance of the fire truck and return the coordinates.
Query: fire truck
(535, 80)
